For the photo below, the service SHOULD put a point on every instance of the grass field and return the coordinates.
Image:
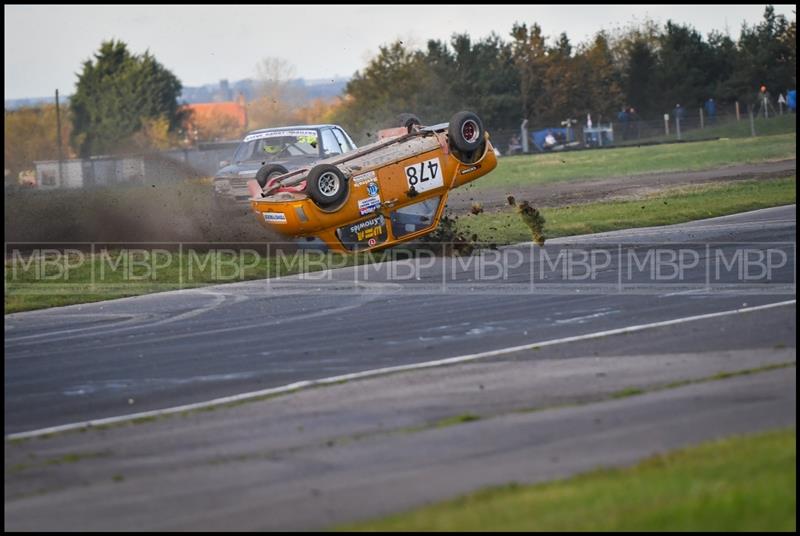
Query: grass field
(728, 127)
(575, 165)
(672, 206)
(737, 484)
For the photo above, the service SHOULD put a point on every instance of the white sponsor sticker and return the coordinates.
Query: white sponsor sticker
(360, 226)
(425, 176)
(364, 178)
(274, 217)
(279, 134)
(370, 204)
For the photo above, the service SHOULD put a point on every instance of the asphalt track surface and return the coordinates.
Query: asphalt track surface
(107, 359)
(359, 449)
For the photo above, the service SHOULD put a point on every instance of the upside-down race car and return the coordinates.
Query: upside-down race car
(380, 195)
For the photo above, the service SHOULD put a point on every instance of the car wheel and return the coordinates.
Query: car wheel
(465, 131)
(408, 121)
(327, 185)
(269, 171)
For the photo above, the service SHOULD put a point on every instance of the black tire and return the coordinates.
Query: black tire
(465, 131)
(327, 185)
(267, 172)
(408, 121)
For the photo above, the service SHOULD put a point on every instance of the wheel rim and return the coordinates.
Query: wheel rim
(328, 184)
(469, 131)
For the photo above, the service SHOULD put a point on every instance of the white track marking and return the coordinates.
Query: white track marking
(230, 329)
(137, 321)
(382, 371)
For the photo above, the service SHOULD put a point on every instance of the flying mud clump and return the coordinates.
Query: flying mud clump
(531, 217)
(449, 239)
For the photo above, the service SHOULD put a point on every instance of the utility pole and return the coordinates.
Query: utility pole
(523, 130)
(58, 138)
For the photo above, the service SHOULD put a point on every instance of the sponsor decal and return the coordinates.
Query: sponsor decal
(280, 134)
(368, 233)
(364, 178)
(372, 188)
(425, 176)
(274, 217)
(469, 169)
(370, 204)
(360, 226)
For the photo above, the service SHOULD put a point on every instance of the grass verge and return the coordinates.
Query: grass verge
(555, 167)
(742, 483)
(730, 128)
(671, 206)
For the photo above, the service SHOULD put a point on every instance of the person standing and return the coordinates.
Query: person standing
(679, 112)
(623, 118)
(711, 110)
(633, 119)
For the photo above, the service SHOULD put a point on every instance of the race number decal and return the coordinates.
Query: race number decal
(425, 176)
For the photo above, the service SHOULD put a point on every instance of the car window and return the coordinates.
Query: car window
(277, 145)
(329, 143)
(350, 140)
(244, 152)
(342, 140)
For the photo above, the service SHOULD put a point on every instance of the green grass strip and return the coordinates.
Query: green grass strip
(574, 165)
(672, 206)
(741, 483)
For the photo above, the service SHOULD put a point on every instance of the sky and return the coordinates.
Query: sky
(45, 46)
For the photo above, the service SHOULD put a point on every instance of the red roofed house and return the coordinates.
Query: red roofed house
(217, 121)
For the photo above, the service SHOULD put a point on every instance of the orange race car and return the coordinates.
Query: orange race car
(380, 195)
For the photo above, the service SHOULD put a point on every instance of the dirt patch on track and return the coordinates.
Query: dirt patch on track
(179, 212)
(614, 188)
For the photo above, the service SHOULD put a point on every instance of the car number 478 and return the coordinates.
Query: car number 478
(425, 175)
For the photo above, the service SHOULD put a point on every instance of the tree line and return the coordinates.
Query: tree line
(647, 66)
(128, 102)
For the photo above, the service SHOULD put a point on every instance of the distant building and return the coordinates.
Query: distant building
(214, 121)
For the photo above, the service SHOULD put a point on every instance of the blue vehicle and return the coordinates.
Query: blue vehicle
(563, 137)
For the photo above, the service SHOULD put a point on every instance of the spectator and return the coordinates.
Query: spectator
(633, 118)
(764, 103)
(711, 110)
(679, 113)
(623, 118)
(550, 140)
(514, 146)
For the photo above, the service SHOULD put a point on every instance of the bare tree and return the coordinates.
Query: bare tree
(278, 96)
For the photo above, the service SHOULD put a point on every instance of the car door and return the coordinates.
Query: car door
(330, 145)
